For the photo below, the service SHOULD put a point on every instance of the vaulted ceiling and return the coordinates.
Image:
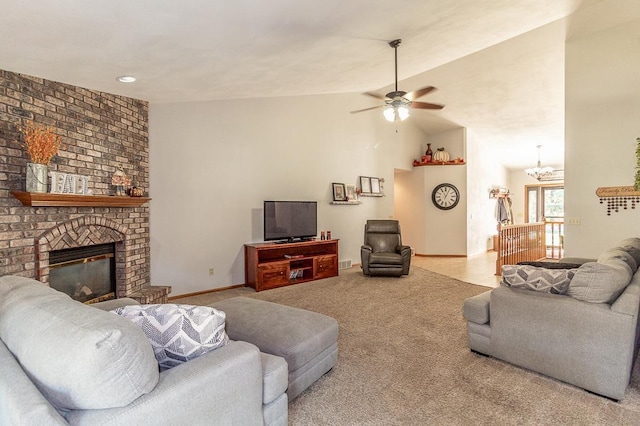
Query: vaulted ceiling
(498, 64)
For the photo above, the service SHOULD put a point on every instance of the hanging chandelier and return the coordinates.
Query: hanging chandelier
(540, 173)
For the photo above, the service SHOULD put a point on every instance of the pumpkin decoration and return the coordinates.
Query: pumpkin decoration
(441, 156)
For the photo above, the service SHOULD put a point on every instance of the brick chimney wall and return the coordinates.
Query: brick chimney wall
(100, 132)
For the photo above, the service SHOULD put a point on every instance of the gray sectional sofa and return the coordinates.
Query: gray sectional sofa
(587, 337)
(63, 362)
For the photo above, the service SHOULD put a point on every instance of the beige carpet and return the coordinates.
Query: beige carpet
(403, 360)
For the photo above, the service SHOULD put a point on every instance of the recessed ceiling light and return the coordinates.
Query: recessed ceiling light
(126, 79)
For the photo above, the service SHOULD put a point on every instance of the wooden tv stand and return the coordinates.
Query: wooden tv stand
(271, 265)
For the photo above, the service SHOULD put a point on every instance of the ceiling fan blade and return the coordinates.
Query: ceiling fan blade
(420, 92)
(375, 95)
(425, 105)
(367, 109)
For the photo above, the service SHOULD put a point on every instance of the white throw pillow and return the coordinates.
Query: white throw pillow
(178, 333)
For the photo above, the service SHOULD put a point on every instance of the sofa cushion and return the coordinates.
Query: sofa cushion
(295, 334)
(544, 280)
(600, 283)
(632, 246)
(79, 357)
(633, 241)
(385, 259)
(619, 253)
(178, 333)
(552, 265)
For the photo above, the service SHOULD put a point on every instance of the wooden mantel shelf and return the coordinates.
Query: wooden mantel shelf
(35, 199)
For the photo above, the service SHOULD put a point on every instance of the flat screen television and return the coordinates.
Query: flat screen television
(290, 220)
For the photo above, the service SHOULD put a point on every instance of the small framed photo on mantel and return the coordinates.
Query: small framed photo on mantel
(365, 184)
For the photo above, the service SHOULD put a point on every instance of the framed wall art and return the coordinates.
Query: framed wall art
(352, 194)
(375, 186)
(339, 193)
(365, 184)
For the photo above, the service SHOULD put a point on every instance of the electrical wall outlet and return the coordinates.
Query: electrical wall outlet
(211, 271)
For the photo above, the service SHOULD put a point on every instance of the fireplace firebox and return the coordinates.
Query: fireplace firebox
(87, 274)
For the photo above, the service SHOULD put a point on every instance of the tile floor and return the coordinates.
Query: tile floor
(479, 269)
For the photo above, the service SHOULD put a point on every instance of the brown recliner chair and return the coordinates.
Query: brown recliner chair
(382, 252)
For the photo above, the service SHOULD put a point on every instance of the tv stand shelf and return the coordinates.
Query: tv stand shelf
(270, 265)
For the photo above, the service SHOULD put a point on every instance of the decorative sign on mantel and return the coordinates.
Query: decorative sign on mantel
(618, 197)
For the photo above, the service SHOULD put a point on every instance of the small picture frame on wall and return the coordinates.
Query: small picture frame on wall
(339, 193)
(352, 194)
(365, 184)
(375, 185)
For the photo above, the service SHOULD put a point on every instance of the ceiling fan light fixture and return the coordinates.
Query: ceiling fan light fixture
(398, 102)
(395, 113)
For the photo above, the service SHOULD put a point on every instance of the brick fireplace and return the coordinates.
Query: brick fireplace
(92, 230)
(101, 133)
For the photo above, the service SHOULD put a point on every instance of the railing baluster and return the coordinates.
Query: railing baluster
(520, 243)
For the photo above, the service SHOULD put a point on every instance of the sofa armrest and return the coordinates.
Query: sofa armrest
(223, 386)
(476, 308)
(365, 251)
(405, 252)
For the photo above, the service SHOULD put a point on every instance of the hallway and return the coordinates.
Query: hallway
(479, 269)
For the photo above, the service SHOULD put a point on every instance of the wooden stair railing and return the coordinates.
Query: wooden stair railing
(520, 243)
(554, 239)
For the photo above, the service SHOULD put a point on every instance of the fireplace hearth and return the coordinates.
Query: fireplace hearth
(87, 274)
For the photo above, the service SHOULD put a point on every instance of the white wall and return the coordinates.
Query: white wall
(468, 228)
(426, 228)
(213, 164)
(409, 208)
(483, 173)
(603, 122)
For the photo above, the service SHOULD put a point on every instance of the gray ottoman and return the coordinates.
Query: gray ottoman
(307, 340)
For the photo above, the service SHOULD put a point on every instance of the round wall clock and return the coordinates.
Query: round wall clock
(445, 196)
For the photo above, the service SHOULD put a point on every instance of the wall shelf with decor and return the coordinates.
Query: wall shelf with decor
(448, 163)
(371, 187)
(37, 199)
(346, 203)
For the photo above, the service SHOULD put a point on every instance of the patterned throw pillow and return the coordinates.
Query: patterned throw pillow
(544, 280)
(178, 333)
